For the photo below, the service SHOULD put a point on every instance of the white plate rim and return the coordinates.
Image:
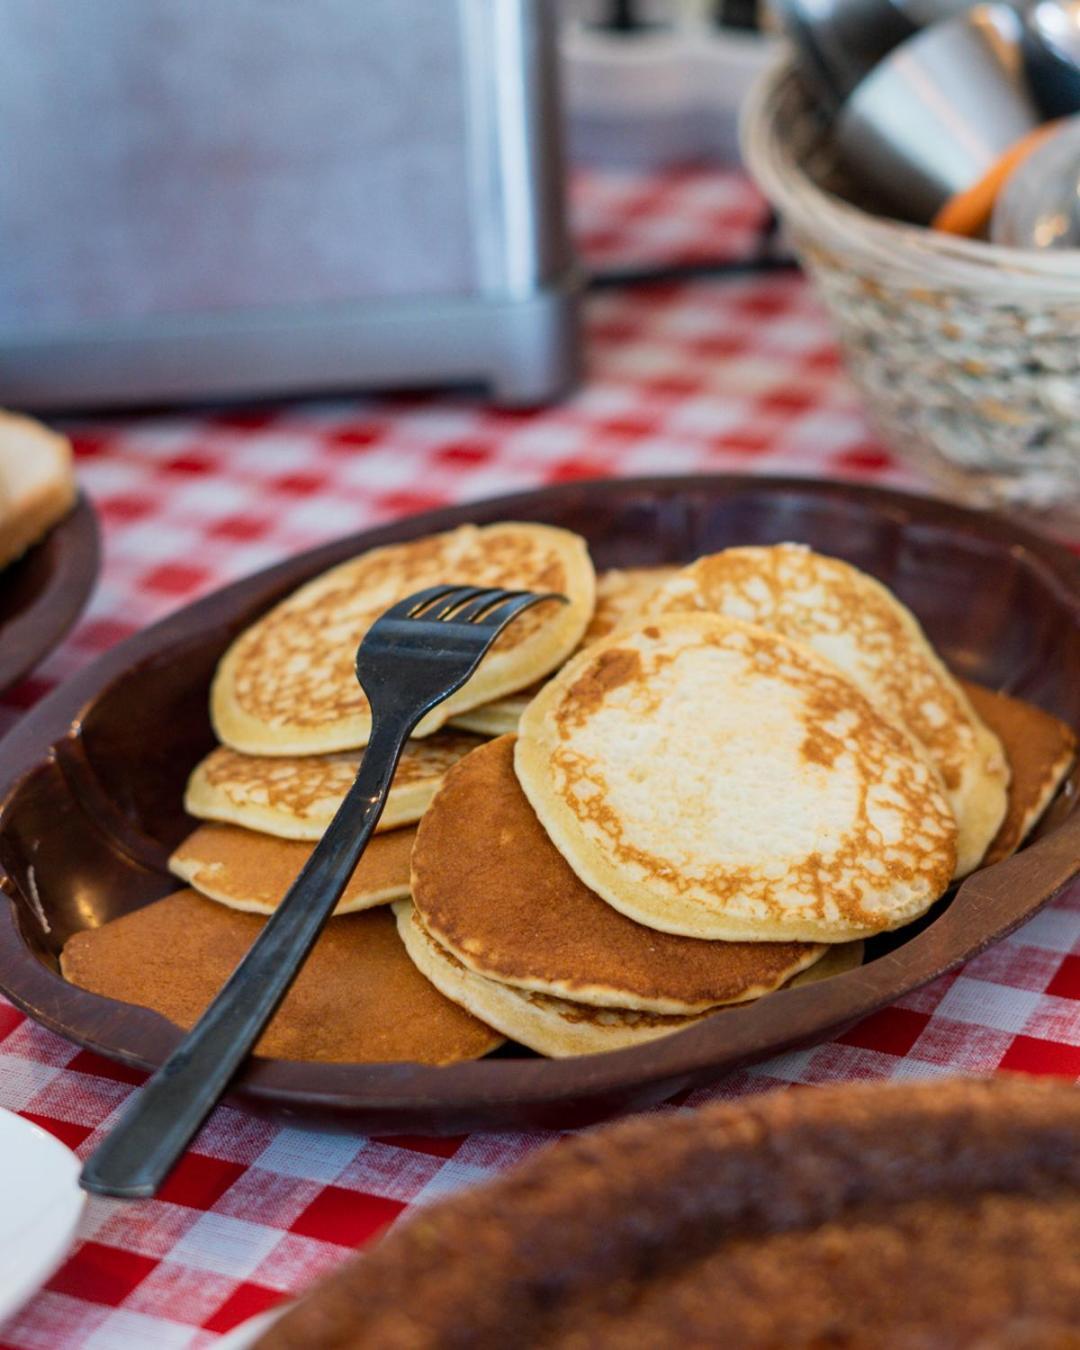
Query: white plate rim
(47, 1233)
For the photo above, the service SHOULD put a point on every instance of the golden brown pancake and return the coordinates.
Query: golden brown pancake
(1040, 749)
(554, 1027)
(915, 1216)
(621, 593)
(287, 685)
(250, 871)
(490, 886)
(838, 960)
(862, 628)
(717, 780)
(501, 717)
(357, 1000)
(296, 796)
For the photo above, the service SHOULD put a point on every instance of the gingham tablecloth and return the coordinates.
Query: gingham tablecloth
(734, 375)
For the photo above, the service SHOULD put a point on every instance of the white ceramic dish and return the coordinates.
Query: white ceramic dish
(40, 1208)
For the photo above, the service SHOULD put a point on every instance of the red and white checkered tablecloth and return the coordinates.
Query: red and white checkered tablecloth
(733, 375)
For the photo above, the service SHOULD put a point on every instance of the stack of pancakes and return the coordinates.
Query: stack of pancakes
(293, 723)
(737, 772)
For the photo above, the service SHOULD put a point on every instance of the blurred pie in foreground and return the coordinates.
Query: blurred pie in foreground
(933, 1214)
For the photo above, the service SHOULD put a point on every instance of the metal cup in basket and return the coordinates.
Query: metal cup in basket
(967, 354)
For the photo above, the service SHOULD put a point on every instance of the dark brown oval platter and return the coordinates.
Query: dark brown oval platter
(92, 781)
(44, 591)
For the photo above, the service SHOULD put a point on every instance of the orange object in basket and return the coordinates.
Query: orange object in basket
(968, 213)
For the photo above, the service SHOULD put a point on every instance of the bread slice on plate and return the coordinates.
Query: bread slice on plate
(37, 483)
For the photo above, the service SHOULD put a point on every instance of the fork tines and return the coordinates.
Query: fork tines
(466, 604)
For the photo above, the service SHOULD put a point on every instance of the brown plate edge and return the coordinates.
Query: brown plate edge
(32, 634)
(539, 1092)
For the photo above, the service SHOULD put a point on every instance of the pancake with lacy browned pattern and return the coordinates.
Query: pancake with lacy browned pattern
(287, 685)
(717, 780)
(861, 627)
(296, 796)
(621, 594)
(491, 887)
(251, 871)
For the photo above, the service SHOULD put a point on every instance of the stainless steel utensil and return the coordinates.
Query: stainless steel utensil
(937, 113)
(1039, 206)
(414, 656)
(838, 41)
(1052, 53)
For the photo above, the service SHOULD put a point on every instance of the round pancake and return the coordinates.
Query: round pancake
(838, 960)
(491, 887)
(550, 1026)
(621, 593)
(1040, 750)
(296, 796)
(250, 871)
(710, 778)
(357, 1000)
(287, 685)
(500, 718)
(858, 625)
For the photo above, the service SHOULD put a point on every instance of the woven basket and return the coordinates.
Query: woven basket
(967, 354)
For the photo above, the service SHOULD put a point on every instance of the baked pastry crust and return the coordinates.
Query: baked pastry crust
(940, 1213)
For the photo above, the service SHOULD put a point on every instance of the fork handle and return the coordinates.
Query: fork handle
(160, 1122)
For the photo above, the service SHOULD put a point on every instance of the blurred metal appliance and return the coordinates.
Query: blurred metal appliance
(204, 200)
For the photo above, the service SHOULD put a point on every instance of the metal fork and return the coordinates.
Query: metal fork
(414, 656)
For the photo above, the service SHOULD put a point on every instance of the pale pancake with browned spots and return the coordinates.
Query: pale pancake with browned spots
(858, 625)
(714, 779)
(358, 999)
(1040, 750)
(491, 887)
(550, 1026)
(295, 796)
(621, 594)
(501, 717)
(838, 960)
(248, 870)
(287, 685)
